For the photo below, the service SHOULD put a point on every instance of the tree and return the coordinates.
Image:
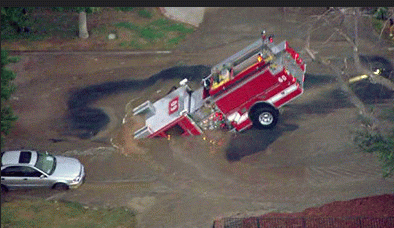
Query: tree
(16, 17)
(82, 21)
(334, 20)
(383, 146)
(7, 88)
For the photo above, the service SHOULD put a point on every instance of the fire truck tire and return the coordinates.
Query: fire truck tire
(264, 118)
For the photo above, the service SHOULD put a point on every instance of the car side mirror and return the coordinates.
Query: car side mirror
(42, 176)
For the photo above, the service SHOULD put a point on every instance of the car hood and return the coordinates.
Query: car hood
(67, 167)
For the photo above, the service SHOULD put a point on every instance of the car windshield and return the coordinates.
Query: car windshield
(46, 163)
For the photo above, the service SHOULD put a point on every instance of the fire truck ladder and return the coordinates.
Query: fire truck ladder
(148, 109)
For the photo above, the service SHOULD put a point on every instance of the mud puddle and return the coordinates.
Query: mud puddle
(378, 62)
(86, 121)
(371, 93)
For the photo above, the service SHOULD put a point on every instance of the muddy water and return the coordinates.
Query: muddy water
(230, 158)
(378, 62)
(87, 121)
(307, 157)
(217, 154)
(372, 93)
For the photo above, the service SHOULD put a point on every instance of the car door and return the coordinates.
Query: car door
(13, 177)
(35, 178)
(23, 177)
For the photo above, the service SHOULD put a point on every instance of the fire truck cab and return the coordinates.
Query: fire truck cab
(245, 90)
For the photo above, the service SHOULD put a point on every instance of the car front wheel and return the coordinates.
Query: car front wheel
(60, 187)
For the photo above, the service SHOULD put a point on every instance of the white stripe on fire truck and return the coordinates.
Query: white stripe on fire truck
(282, 94)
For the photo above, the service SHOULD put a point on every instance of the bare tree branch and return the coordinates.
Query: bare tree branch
(325, 42)
(384, 26)
(382, 81)
(342, 33)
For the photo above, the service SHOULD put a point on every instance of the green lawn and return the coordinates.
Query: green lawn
(41, 213)
(134, 28)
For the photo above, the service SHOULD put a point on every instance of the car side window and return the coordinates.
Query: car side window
(12, 171)
(20, 171)
(30, 172)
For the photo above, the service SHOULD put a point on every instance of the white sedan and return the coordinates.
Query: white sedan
(30, 169)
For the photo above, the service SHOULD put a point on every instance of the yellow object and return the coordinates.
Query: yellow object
(269, 58)
(377, 71)
(224, 77)
(358, 78)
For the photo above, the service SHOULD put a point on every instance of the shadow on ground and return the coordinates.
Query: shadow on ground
(328, 102)
(254, 141)
(371, 93)
(85, 121)
(378, 62)
(312, 80)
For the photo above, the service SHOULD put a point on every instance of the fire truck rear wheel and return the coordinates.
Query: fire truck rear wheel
(264, 118)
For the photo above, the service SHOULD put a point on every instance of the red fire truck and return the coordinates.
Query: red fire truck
(245, 90)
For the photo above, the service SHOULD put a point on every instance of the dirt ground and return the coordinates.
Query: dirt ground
(308, 160)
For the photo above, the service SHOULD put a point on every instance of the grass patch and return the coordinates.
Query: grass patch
(175, 40)
(39, 27)
(164, 30)
(378, 143)
(377, 24)
(135, 28)
(178, 28)
(135, 45)
(150, 33)
(381, 145)
(41, 213)
(125, 9)
(99, 30)
(144, 13)
(388, 114)
(127, 25)
(160, 22)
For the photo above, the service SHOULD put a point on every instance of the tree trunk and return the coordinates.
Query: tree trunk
(83, 28)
